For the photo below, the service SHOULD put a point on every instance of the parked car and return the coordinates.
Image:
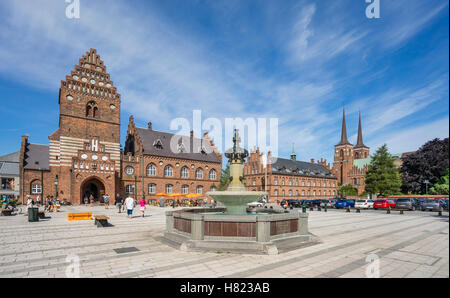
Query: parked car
(255, 204)
(383, 204)
(344, 203)
(364, 204)
(406, 203)
(330, 203)
(433, 205)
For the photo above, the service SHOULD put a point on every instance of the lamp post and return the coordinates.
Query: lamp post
(426, 181)
(56, 187)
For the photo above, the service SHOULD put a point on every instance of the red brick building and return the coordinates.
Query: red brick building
(351, 161)
(290, 178)
(84, 156)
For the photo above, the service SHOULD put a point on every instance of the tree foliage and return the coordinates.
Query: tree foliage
(382, 176)
(430, 163)
(224, 178)
(441, 188)
(348, 190)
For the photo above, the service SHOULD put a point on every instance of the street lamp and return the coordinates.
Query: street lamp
(426, 181)
(56, 186)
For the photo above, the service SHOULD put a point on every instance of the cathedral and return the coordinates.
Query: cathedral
(351, 161)
(84, 155)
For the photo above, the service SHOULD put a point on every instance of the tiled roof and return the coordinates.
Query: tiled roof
(12, 157)
(36, 157)
(150, 137)
(289, 166)
(9, 168)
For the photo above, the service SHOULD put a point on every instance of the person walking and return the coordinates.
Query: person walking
(119, 203)
(91, 199)
(29, 204)
(129, 203)
(142, 204)
(86, 201)
(38, 200)
(106, 200)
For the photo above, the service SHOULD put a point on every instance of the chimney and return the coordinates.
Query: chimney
(149, 126)
(312, 160)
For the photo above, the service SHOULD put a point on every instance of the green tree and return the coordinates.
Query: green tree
(348, 190)
(441, 188)
(224, 178)
(382, 176)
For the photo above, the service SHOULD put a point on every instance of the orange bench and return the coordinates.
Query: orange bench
(79, 216)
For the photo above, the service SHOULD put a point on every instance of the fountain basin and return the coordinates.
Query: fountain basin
(276, 231)
(236, 201)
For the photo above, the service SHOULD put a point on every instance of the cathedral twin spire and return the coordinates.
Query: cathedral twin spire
(344, 139)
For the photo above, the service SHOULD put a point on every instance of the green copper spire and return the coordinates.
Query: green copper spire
(293, 155)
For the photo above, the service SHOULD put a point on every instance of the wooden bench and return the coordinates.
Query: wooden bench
(101, 220)
(79, 216)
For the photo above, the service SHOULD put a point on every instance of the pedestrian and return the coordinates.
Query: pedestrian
(38, 200)
(129, 203)
(106, 200)
(119, 203)
(142, 204)
(91, 199)
(86, 201)
(29, 204)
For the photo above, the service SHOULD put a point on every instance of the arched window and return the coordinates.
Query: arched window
(275, 192)
(169, 188)
(168, 171)
(282, 193)
(151, 188)
(151, 170)
(185, 189)
(290, 193)
(92, 109)
(199, 189)
(199, 173)
(184, 172)
(213, 188)
(212, 174)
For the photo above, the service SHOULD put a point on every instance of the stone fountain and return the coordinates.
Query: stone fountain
(233, 228)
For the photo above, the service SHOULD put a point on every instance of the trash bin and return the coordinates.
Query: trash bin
(33, 214)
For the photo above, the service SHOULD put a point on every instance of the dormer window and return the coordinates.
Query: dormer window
(203, 150)
(158, 144)
(181, 148)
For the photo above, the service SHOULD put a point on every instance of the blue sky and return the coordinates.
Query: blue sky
(299, 61)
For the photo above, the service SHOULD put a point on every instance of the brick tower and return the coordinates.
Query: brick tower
(85, 150)
(343, 155)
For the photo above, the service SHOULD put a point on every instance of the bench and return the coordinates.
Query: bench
(101, 220)
(79, 216)
(6, 212)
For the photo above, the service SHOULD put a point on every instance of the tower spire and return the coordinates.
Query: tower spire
(293, 155)
(344, 140)
(360, 143)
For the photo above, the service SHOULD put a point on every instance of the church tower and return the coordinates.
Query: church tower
(343, 155)
(361, 150)
(85, 149)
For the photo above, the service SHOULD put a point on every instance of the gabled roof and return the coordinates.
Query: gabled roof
(150, 137)
(283, 165)
(36, 157)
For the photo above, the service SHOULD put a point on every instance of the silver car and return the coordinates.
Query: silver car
(432, 205)
(406, 203)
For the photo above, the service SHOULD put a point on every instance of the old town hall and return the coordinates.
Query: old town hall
(84, 155)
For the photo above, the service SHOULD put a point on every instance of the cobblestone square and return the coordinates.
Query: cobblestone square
(414, 244)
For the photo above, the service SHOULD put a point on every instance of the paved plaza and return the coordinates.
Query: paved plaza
(415, 244)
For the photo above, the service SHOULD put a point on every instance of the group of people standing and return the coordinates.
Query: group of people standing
(50, 203)
(129, 204)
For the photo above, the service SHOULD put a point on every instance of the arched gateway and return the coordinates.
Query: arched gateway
(94, 186)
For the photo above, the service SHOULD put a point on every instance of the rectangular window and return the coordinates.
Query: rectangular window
(36, 188)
